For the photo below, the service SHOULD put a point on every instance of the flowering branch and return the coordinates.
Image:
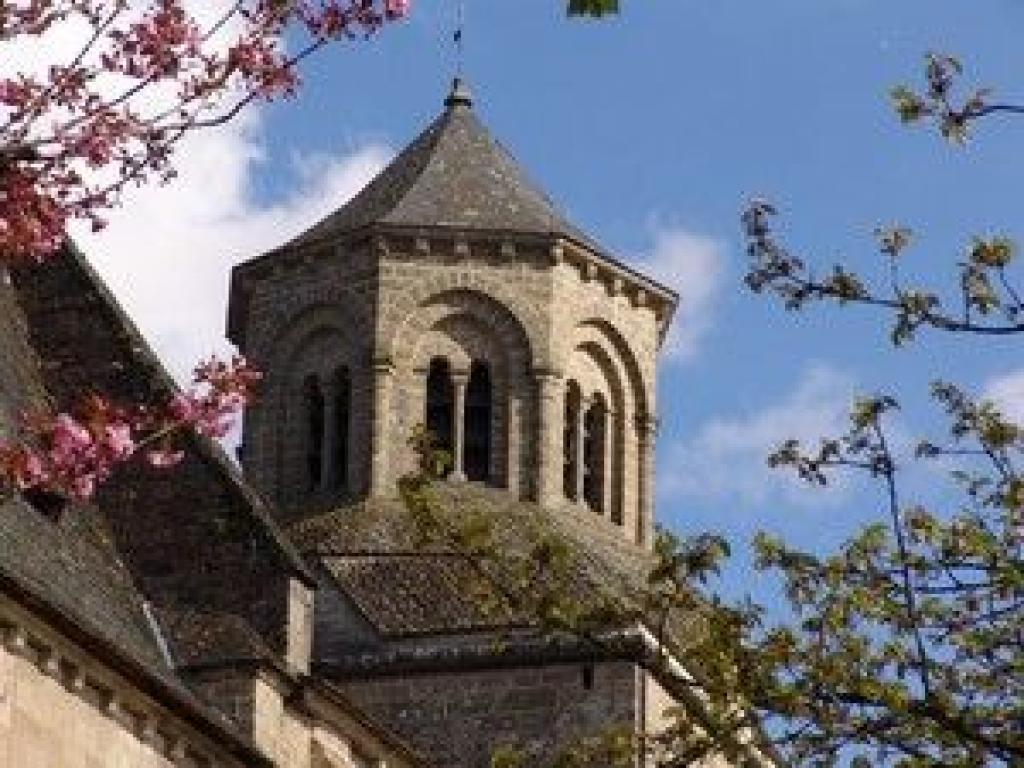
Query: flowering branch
(68, 455)
(73, 138)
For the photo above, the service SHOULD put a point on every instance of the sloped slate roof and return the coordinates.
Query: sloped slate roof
(200, 637)
(63, 335)
(422, 593)
(72, 566)
(69, 563)
(454, 174)
(405, 589)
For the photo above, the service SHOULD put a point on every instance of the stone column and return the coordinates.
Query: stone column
(647, 431)
(328, 466)
(580, 436)
(514, 441)
(459, 381)
(608, 465)
(550, 408)
(383, 375)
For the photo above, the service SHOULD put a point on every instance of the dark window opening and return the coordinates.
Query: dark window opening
(588, 677)
(441, 406)
(477, 455)
(342, 420)
(593, 455)
(570, 468)
(49, 504)
(313, 398)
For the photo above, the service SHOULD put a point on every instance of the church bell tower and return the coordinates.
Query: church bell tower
(451, 292)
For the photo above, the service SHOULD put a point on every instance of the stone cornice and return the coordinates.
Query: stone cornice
(593, 264)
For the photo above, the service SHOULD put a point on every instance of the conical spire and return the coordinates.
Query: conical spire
(454, 174)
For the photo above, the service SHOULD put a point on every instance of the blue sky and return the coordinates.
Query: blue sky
(651, 130)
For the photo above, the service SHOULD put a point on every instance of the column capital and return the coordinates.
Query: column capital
(460, 376)
(547, 374)
(382, 365)
(556, 253)
(381, 246)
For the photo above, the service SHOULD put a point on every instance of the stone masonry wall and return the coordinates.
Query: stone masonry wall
(61, 707)
(457, 719)
(538, 312)
(317, 310)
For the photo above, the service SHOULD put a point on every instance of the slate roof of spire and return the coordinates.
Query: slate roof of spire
(454, 174)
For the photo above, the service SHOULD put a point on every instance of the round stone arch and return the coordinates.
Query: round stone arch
(464, 326)
(600, 332)
(482, 295)
(598, 349)
(321, 341)
(599, 379)
(460, 338)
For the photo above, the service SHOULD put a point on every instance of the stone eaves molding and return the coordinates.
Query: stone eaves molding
(389, 242)
(166, 718)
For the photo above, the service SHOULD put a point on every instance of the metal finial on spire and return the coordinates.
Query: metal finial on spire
(457, 37)
(460, 95)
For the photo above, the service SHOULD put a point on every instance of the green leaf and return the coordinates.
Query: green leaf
(594, 8)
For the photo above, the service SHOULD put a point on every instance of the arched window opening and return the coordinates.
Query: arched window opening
(594, 441)
(477, 454)
(613, 470)
(342, 419)
(313, 401)
(570, 438)
(441, 404)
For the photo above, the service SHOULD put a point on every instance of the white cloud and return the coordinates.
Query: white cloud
(694, 266)
(1007, 392)
(726, 458)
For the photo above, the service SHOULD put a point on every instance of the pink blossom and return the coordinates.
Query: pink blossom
(31, 472)
(164, 458)
(183, 407)
(70, 441)
(77, 452)
(118, 440)
(152, 46)
(82, 487)
(397, 9)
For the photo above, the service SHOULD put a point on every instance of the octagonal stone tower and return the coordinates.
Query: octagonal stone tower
(450, 292)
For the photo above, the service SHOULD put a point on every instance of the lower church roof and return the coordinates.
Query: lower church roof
(405, 590)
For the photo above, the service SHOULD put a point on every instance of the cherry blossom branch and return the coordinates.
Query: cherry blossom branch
(63, 130)
(69, 455)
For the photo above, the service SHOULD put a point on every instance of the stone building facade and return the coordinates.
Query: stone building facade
(167, 623)
(287, 617)
(450, 293)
